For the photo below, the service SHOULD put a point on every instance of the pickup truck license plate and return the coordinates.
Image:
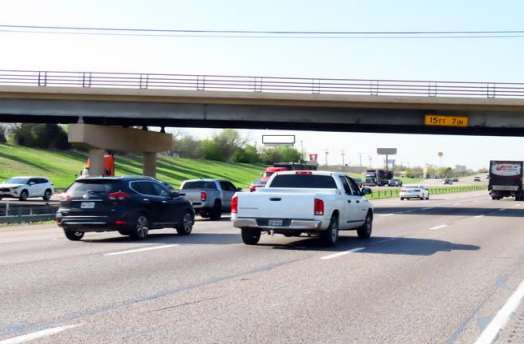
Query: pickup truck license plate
(87, 205)
(275, 223)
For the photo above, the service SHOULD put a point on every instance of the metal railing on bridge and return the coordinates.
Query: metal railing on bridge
(262, 84)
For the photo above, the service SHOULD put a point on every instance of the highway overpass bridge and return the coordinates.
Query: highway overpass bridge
(385, 106)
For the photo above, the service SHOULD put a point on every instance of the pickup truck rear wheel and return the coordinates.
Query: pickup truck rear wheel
(216, 212)
(364, 231)
(330, 235)
(250, 236)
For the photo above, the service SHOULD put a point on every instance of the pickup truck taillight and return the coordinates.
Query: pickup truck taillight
(234, 204)
(319, 207)
(118, 196)
(203, 196)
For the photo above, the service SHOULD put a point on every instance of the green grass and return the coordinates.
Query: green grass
(61, 167)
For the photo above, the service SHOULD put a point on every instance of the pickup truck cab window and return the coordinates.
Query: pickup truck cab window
(310, 181)
(354, 187)
(199, 185)
(346, 186)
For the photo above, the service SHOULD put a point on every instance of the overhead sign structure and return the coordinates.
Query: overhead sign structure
(386, 151)
(446, 121)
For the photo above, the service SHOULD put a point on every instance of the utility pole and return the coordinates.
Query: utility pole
(360, 159)
(343, 161)
(326, 157)
(370, 161)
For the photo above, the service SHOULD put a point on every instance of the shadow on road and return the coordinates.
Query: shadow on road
(451, 211)
(377, 245)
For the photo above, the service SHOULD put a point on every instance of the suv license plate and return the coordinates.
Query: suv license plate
(276, 223)
(87, 205)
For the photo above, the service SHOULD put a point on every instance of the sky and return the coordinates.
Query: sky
(414, 59)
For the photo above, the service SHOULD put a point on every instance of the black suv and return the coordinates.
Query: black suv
(130, 205)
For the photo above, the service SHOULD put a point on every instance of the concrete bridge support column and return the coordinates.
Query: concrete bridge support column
(96, 162)
(149, 164)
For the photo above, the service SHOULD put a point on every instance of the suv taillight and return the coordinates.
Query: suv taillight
(203, 196)
(319, 207)
(234, 204)
(118, 196)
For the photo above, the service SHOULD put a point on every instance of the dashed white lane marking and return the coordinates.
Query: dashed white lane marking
(144, 249)
(478, 216)
(500, 320)
(339, 254)
(39, 334)
(434, 228)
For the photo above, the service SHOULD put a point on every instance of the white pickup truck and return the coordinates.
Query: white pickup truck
(296, 202)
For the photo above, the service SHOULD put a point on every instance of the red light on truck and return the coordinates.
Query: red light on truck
(203, 196)
(319, 207)
(234, 204)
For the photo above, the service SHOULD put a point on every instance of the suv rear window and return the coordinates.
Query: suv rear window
(199, 185)
(303, 181)
(95, 187)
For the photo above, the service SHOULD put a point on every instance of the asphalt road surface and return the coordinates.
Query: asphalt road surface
(437, 271)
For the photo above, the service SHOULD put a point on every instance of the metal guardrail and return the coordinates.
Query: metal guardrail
(262, 84)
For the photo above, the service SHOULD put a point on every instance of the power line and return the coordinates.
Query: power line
(148, 32)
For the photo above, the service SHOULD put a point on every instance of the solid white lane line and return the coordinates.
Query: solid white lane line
(39, 334)
(144, 249)
(385, 215)
(339, 254)
(500, 320)
(478, 216)
(437, 227)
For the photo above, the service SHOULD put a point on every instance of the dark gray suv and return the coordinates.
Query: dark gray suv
(131, 205)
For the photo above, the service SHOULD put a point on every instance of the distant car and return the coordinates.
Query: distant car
(395, 182)
(209, 197)
(455, 180)
(447, 181)
(131, 205)
(414, 191)
(27, 187)
(257, 184)
(476, 179)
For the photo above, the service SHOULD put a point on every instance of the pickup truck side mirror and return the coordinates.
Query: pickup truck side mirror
(176, 194)
(365, 191)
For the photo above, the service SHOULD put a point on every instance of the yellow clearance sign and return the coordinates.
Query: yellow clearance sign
(446, 121)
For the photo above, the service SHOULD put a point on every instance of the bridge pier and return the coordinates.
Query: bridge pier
(99, 139)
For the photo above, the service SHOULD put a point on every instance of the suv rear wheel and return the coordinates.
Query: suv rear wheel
(186, 226)
(141, 228)
(73, 236)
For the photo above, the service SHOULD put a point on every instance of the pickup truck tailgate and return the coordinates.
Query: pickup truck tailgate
(276, 205)
(192, 195)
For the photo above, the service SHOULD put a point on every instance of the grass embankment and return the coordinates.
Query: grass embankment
(394, 192)
(61, 167)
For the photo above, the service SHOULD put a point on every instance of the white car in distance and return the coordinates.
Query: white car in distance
(27, 187)
(414, 191)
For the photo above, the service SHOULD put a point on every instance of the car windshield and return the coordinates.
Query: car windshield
(95, 187)
(17, 180)
(303, 181)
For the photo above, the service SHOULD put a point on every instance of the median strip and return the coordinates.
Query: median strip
(343, 253)
(144, 249)
(39, 334)
(437, 227)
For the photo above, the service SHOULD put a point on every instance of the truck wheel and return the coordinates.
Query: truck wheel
(186, 226)
(141, 229)
(250, 236)
(73, 236)
(330, 235)
(216, 212)
(364, 231)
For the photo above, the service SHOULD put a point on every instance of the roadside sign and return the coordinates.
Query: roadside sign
(446, 121)
(313, 157)
(386, 151)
